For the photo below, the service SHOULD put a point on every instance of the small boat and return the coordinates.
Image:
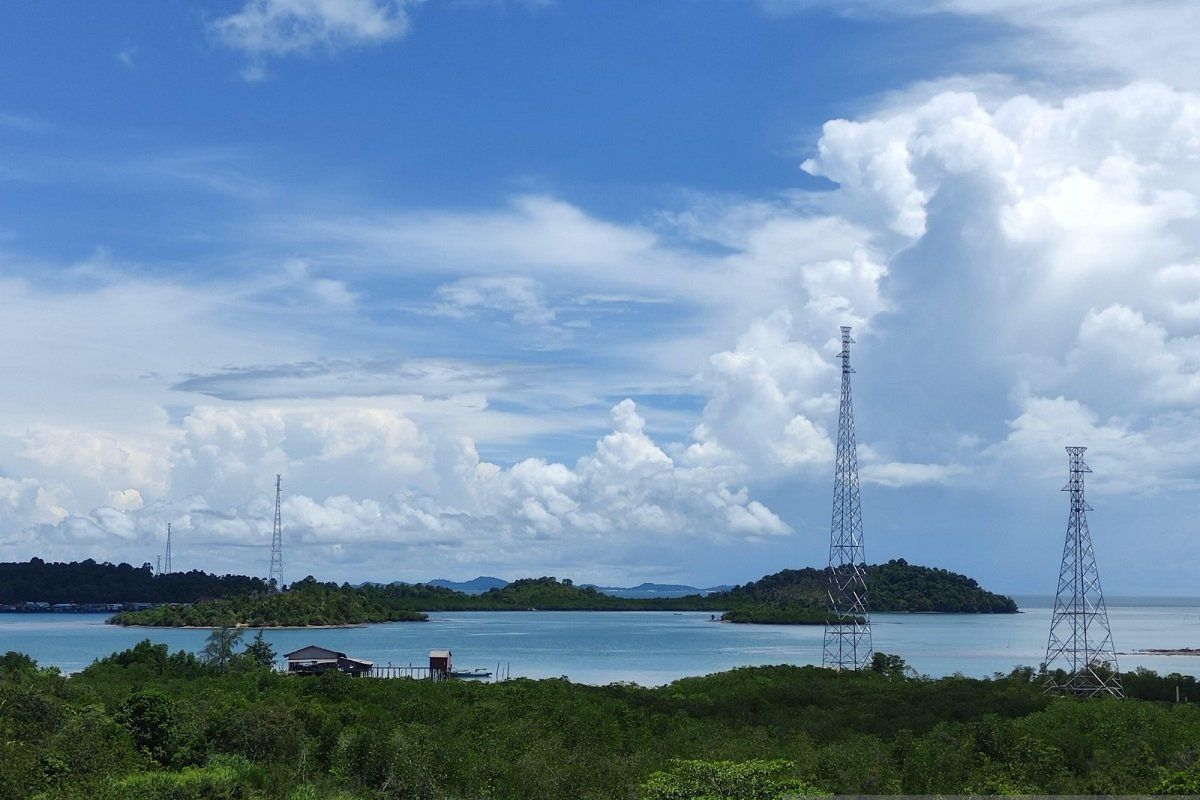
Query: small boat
(471, 673)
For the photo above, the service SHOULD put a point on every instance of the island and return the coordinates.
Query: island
(37, 585)
(788, 597)
(308, 604)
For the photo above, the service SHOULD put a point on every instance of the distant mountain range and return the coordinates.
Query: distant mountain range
(644, 590)
(474, 586)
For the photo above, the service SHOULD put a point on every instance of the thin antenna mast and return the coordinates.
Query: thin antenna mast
(167, 559)
(275, 576)
(847, 622)
(1080, 644)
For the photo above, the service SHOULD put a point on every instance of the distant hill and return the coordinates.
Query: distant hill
(474, 586)
(894, 586)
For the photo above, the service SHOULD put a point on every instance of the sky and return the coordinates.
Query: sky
(553, 287)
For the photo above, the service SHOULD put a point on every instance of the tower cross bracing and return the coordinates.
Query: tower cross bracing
(1080, 656)
(275, 576)
(847, 622)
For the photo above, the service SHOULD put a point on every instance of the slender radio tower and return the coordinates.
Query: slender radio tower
(167, 557)
(847, 624)
(275, 576)
(1081, 642)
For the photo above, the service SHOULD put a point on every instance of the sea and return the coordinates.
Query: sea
(651, 647)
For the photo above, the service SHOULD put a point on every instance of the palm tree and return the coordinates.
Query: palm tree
(218, 649)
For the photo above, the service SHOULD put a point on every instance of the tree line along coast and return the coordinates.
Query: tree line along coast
(198, 599)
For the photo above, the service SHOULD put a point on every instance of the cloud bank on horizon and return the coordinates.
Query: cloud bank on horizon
(567, 365)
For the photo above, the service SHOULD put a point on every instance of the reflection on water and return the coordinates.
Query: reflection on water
(646, 647)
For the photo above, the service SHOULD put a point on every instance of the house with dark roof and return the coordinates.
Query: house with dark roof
(313, 660)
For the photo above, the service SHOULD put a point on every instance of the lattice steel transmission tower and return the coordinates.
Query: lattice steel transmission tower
(167, 556)
(847, 622)
(275, 576)
(1080, 642)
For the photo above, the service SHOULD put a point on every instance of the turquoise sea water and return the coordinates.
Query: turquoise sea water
(645, 647)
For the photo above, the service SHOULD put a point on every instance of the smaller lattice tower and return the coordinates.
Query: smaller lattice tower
(847, 623)
(1080, 649)
(275, 576)
(167, 555)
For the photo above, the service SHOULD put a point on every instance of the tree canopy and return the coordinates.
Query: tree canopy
(95, 582)
(148, 723)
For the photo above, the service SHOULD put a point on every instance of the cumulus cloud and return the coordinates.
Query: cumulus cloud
(363, 476)
(1052, 243)
(763, 395)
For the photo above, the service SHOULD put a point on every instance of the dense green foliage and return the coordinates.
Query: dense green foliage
(305, 603)
(894, 586)
(309, 602)
(90, 582)
(146, 723)
(691, 779)
(791, 596)
(767, 614)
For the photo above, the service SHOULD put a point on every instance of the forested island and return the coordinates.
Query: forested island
(150, 724)
(896, 586)
(91, 582)
(305, 604)
(789, 597)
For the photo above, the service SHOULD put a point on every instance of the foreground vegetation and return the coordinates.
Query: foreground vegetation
(150, 725)
(791, 597)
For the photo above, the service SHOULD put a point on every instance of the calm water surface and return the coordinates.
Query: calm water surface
(648, 647)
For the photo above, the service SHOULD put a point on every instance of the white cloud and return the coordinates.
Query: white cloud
(763, 395)
(1160, 454)
(1052, 242)
(514, 294)
(362, 476)
(1136, 360)
(263, 28)
(1067, 39)
(898, 474)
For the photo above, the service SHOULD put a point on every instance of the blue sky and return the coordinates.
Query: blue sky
(554, 287)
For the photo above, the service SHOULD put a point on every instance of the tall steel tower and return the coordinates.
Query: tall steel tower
(167, 558)
(275, 576)
(1080, 640)
(847, 623)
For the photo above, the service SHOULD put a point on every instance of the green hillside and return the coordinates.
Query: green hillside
(894, 586)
